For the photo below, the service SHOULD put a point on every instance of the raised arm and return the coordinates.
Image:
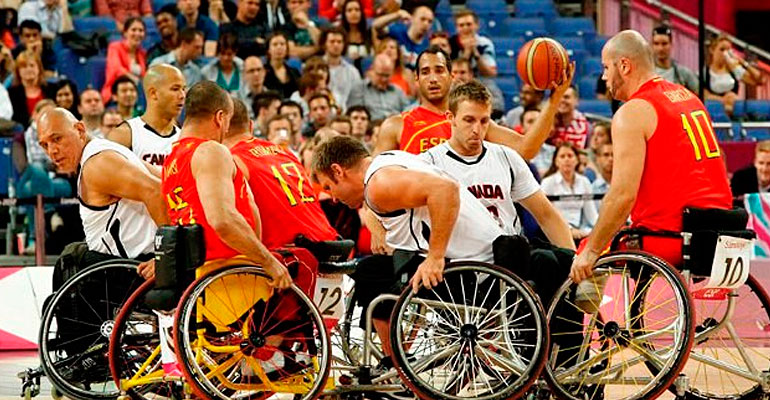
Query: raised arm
(380, 23)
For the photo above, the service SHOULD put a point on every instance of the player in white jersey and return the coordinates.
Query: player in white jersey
(151, 135)
(120, 201)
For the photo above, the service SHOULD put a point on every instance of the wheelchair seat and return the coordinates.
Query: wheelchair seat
(701, 229)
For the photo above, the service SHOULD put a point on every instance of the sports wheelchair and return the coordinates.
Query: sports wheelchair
(701, 333)
(481, 334)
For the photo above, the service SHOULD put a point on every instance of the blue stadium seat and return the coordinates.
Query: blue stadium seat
(366, 62)
(717, 111)
(739, 110)
(149, 23)
(577, 26)
(535, 8)
(591, 66)
(446, 22)
(509, 86)
(442, 6)
(587, 87)
(757, 134)
(158, 4)
(296, 63)
(507, 47)
(510, 27)
(488, 9)
(758, 110)
(95, 68)
(506, 66)
(68, 64)
(94, 24)
(599, 107)
(7, 170)
(572, 42)
(596, 45)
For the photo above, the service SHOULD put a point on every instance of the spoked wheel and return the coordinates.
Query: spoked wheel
(237, 338)
(135, 358)
(644, 318)
(76, 327)
(350, 332)
(480, 334)
(732, 334)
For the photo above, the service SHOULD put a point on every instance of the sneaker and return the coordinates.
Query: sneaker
(590, 292)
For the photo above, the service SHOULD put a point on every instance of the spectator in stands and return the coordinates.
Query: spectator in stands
(184, 56)
(528, 98)
(125, 95)
(570, 125)
(279, 76)
(343, 76)
(190, 16)
(168, 29)
(126, 57)
(359, 35)
(331, 9)
(725, 72)
(28, 87)
(544, 157)
(251, 33)
(320, 114)
(253, 82)
(599, 136)
(463, 73)
(319, 68)
(52, 15)
(376, 93)
(441, 39)
(110, 119)
(562, 178)
(265, 107)
(359, 121)
(279, 132)
(121, 10)
(91, 109)
(65, 94)
(6, 63)
(601, 184)
(293, 112)
(6, 108)
(218, 11)
(31, 37)
(667, 67)
(227, 69)
(275, 16)
(413, 38)
(308, 85)
(468, 44)
(303, 40)
(403, 77)
(342, 124)
(754, 178)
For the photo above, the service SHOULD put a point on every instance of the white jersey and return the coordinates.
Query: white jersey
(473, 233)
(148, 144)
(123, 228)
(498, 177)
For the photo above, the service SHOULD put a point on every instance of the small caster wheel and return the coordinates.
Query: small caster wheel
(28, 393)
(56, 394)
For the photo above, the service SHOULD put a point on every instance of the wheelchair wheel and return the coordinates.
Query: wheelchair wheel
(350, 332)
(76, 327)
(731, 336)
(135, 360)
(480, 334)
(644, 319)
(237, 338)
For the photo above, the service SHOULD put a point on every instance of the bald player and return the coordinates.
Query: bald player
(121, 209)
(423, 127)
(150, 136)
(666, 155)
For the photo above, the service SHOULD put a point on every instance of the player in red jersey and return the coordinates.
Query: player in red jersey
(665, 151)
(281, 187)
(420, 129)
(202, 184)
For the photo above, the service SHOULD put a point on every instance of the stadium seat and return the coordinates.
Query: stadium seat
(296, 63)
(506, 66)
(535, 8)
(572, 42)
(598, 107)
(446, 22)
(68, 64)
(596, 45)
(739, 110)
(94, 69)
(509, 86)
(758, 110)
(716, 110)
(158, 4)
(587, 87)
(577, 26)
(94, 24)
(512, 27)
(757, 134)
(507, 47)
(489, 9)
(366, 62)
(591, 66)
(149, 23)
(7, 170)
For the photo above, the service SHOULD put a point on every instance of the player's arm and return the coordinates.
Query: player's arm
(252, 203)
(394, 188)
(528, 145)
(550, 220)
(125, 181)
(389, 135)
(155, 170)
(378, 245)
(212, 168)
(120, 134)
(631, 126)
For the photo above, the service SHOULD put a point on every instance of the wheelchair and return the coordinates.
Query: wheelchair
(657, 329)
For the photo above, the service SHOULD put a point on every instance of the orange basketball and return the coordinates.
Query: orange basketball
(542, 61)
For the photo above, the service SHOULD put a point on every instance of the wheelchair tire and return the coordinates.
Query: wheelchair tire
(593, 368)
(254, 327)
(76, 326)
(502, 352)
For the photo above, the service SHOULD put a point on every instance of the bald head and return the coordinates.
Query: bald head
(382, 71)
(631, 44)
(164, 87)
(157, 74)
(628, 63)
(56, 118)
(62, 137)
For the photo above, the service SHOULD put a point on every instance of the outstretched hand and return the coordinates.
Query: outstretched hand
(558, 90)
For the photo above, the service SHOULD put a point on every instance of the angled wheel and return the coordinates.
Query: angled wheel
(481, 334)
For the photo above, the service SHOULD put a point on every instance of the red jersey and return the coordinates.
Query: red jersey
(683, 166)
(283, 193)
(423, 129)
(183, 202)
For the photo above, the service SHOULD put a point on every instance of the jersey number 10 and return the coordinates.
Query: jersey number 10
(696, 117)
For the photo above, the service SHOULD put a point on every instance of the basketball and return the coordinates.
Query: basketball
(542, 61)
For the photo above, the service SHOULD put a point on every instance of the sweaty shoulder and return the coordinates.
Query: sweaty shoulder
(121, 134)
(390, 134)
(637, 115)
(211, 155)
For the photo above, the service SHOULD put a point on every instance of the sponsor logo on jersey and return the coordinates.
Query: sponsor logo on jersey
(486, 191)
(154, 159)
